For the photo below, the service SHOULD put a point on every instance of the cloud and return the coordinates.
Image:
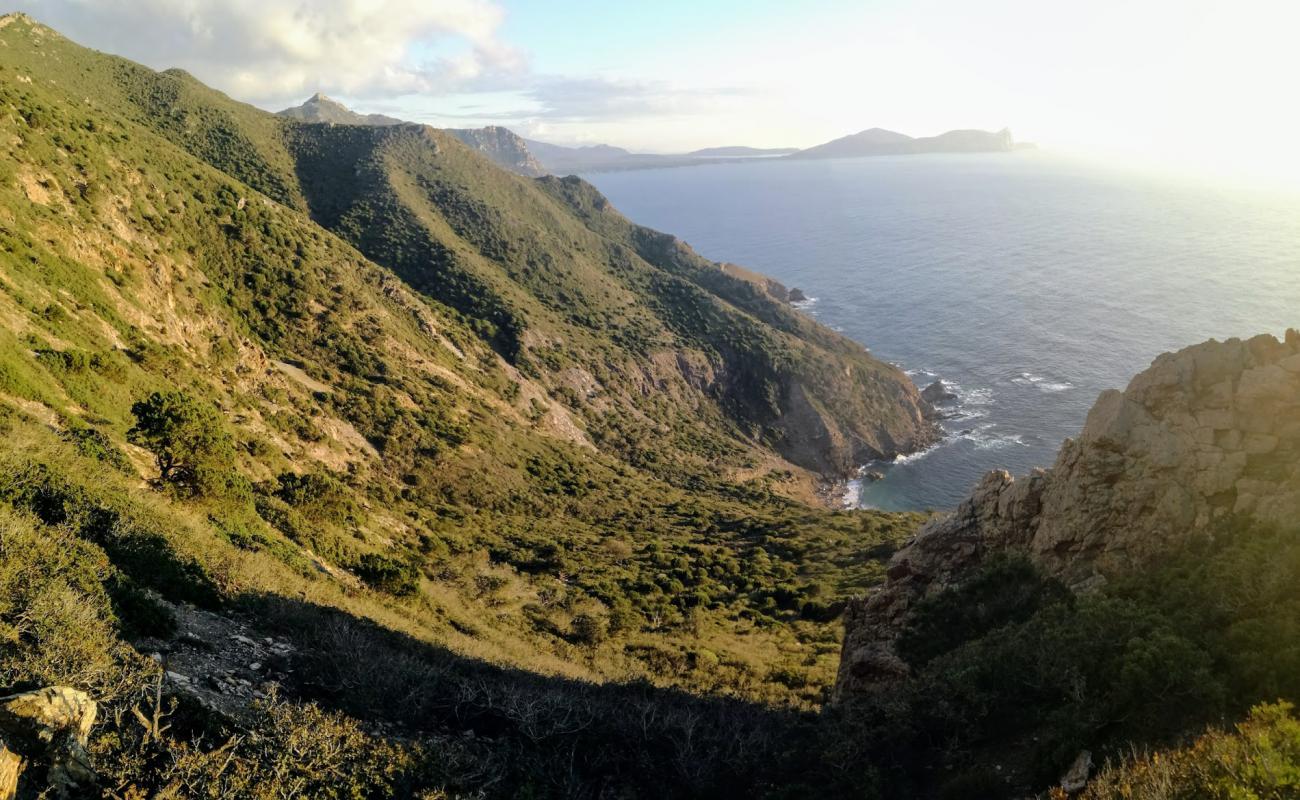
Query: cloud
(438, 61)
(587, 99)
(537, 100)
(273, 51)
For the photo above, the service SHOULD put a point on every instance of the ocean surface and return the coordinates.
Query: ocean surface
(1028, 283)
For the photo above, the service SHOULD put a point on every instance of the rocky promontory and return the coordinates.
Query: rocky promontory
(1204, 434)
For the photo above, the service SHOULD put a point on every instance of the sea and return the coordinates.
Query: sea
(1028, 283)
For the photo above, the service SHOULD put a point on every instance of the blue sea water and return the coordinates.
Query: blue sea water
(1028, 282)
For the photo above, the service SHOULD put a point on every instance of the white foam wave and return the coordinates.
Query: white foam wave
(985, 437)
(852, 497)
(908, 458)
(1041, 383)
(805, 305)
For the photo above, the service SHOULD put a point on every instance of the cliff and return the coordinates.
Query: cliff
(503, 147)
(1204, 434)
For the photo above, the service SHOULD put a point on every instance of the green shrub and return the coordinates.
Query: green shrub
(1259, 760)
(195, 454)
(94, 443)
(387, 574)
(318, 497)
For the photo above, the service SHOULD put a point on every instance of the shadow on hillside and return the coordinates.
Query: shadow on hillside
(573, 737)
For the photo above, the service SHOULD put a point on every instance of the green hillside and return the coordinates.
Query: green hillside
(364, 390)
(339, 462)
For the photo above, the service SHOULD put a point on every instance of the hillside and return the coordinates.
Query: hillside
(499, 145)
(340, 462)
(477, 453)
(502, 147)
(1145, 585)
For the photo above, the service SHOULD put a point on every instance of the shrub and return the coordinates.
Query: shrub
(194, 452)
(387, 574)
(588, 629)
(94, 443)
(319, 497)
(1259, 760)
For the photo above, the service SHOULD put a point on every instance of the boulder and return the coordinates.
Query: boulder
(796, 295)
(938, 393)
(1076, 777)
(1204, 433)
(52, 724)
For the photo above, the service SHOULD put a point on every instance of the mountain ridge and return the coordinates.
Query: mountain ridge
(487, 443)
(880, 142)
(533, 158)
(340, 462)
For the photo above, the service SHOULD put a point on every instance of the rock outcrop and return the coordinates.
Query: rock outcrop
(1203, 434)
(52, 725)
(503, 146)
(938, 392)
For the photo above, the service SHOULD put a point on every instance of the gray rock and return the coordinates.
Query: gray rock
(1206, 432)
(52, 724)
(1076, 777)
(938, 393)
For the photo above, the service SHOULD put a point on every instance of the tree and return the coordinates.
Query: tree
(194, 452)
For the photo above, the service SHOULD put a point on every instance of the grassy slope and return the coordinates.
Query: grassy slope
(131, 266)
(564, 594)
(601, 312)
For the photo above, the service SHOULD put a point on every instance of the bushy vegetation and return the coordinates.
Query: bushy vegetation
(489, 489)
(195, 454)
(1012, 667)
(1259, 759)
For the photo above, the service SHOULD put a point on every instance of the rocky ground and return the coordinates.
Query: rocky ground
(224, 663)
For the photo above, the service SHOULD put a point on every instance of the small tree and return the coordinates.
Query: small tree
(194, 452)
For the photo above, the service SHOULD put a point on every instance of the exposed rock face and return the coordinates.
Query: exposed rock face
(52, 724)
(938, 392)
(502, 146)
(1207, 432)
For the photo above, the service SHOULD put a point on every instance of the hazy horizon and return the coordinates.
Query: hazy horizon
(1200, 87)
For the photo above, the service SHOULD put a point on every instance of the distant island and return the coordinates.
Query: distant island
(742, 152)
(535, 158)
(880, 142)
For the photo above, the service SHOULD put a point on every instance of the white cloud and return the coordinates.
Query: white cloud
(276, 51)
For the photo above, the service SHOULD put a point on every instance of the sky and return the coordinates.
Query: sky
(1202, 85)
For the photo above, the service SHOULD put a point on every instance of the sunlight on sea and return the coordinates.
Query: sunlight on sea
(1027, 283)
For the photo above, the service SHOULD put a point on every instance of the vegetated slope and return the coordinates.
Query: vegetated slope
(501, 146)
(573, 307)
(1146, 585)
(212, 402)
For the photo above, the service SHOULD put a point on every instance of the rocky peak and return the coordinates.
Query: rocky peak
(321, 108)
(1205, 433)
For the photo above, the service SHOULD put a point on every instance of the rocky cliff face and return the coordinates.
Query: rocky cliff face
(1204, 433)
(504, 147)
